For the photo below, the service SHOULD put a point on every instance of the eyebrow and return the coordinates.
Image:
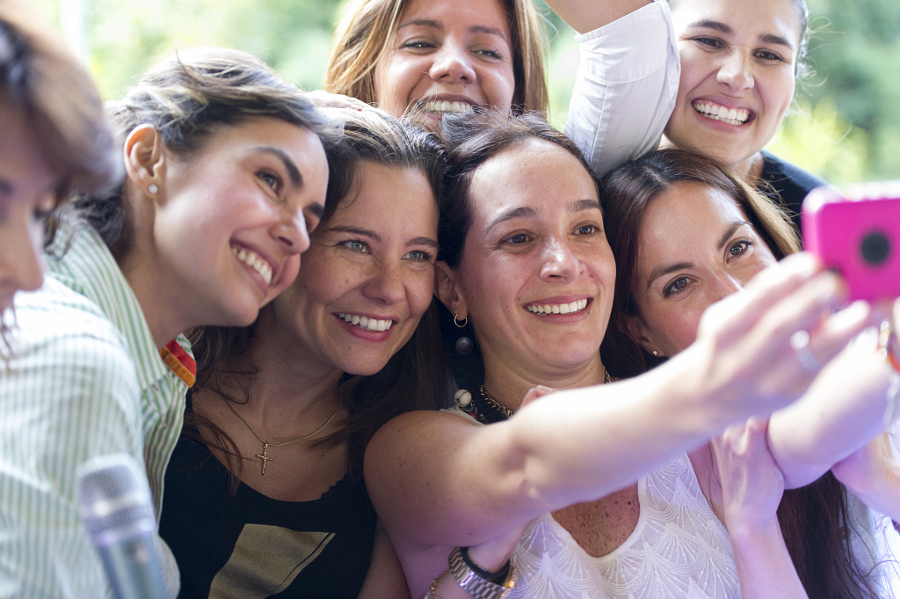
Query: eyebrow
(355, 231)
(432, 24)
(293, 171)
(376, 237)
(432, 243)
(666, 269)
(766, 38)
(527, 212)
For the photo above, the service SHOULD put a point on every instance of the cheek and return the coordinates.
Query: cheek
(420, 291)
(780, 93)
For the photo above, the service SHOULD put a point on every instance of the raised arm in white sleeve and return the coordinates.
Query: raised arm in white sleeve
(625, 88)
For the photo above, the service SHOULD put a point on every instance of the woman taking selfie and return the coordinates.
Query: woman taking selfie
(526, 265)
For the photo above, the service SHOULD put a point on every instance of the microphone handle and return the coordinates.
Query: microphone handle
(133, 567)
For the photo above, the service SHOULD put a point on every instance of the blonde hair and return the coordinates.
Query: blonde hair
(366, 32)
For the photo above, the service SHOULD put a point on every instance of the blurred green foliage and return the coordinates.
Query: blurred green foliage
(845, 123)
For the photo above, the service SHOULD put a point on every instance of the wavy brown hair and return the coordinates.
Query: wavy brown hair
(412, 379)
(366, 31)
(814, 519)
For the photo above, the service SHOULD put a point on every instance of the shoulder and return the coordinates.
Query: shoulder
(776, 170)
(64, 341)
(419, 427)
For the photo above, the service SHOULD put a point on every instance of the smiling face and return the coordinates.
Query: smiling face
(26, 189)
(447, 56)
(232, 220)
(696, 247)
(537, 275)
(738, 61)
(367, 278)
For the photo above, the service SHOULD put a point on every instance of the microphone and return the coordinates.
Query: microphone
(117, 511)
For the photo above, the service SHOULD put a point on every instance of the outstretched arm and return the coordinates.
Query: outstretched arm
(439, 481)
(844, 409)
(873, 474)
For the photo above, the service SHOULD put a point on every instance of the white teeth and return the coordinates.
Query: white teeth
(732, 116)
(364, 322)
(252, 259)
(445, 106)
(570, 308)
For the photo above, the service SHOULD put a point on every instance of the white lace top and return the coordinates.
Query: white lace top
(678, 549)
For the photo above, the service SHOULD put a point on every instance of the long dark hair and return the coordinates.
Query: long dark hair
(471, 141)
(412, 378)
(814, 519)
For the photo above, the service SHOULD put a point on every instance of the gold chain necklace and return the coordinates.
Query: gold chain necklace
(264, 456)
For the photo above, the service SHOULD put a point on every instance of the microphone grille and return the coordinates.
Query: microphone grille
(114, 498)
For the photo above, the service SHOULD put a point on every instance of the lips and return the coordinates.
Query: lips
(718, 112)
(565, 308)
(366, 323)
(256, 262)
(445, 107)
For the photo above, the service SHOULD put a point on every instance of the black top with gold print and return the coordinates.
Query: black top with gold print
(253, 547)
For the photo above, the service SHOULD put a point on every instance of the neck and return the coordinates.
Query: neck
(287, 389)
(508, 383)
(750, 169)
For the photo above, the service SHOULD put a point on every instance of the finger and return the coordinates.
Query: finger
(803, 310)
(740, 311)
(535, 393)
(836, 331)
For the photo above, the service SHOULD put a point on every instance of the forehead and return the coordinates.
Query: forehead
(381, 193)
(445, 14)
(686, 216)
(745, 17)
(531, 173)
(21, 160)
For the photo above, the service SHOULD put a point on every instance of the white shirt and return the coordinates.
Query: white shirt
(625, 88)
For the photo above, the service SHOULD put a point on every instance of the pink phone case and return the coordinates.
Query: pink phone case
(856, 231)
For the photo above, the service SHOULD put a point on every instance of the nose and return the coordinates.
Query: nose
(735, 71)
(452, 64)
(290, 232)
(559, 264)
(385, 285)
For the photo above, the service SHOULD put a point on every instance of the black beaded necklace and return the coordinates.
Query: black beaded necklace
(487, 410)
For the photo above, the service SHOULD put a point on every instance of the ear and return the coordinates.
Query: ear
(446, 288)
(638, 332)
(145, 159)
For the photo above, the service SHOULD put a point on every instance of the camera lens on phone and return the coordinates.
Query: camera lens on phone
(875, 248)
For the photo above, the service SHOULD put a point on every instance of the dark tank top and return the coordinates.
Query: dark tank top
(251, 546)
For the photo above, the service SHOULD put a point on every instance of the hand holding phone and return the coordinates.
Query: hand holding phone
(856, 231)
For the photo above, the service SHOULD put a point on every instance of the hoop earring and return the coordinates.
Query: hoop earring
(456, 321)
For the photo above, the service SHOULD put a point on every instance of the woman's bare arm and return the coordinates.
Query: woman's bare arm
(437, 479)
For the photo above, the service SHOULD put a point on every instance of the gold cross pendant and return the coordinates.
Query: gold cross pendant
(264, 456)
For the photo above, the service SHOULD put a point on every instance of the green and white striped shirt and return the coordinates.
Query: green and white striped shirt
(85, 379)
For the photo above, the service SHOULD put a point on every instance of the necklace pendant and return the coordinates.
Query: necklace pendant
(264, 457)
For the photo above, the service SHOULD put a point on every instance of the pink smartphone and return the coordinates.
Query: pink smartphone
(856, 231)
